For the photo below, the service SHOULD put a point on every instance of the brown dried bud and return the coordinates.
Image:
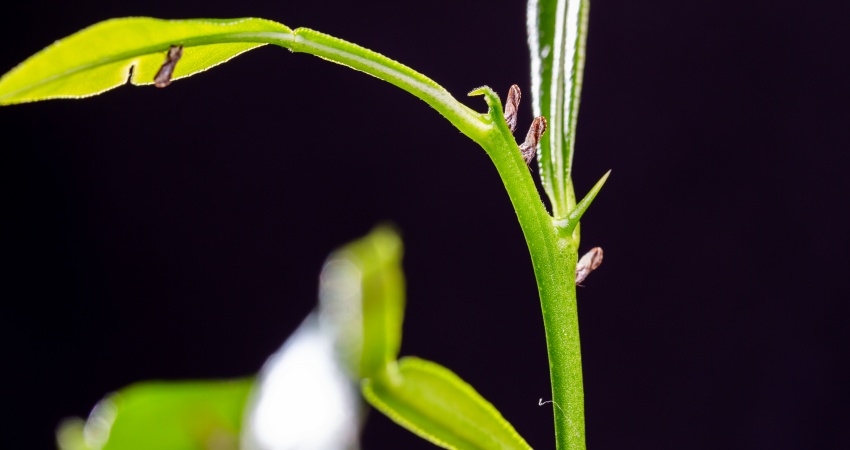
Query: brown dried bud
(512, 106)
(588, 263)
(163, 75)
(529, 147)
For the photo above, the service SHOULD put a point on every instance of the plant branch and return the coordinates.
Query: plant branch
(554, 253)
(305, 40)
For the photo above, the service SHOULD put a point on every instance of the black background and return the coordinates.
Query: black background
(178, 233)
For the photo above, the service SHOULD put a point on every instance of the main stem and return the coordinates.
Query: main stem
(556, 284)
(554, 270)
(554, 250)
(554, 253)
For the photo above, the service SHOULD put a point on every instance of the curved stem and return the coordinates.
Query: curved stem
(554, 253)
(553, 248)
(552, 245)
(336, 50)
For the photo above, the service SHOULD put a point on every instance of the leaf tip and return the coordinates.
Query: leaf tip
(575, 215)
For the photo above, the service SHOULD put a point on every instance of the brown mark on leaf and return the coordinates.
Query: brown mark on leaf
(511, 107)
(163, 75)
(588, 263)
(529, 147)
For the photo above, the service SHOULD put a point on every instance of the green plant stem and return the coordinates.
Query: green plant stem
(554, 252)
(553, 244)
(305, 40)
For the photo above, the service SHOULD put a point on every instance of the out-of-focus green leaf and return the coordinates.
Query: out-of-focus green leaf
(362, 304)
(557, 31)
(362, 301)
(431, 401)
(111, 53)
(164, 416)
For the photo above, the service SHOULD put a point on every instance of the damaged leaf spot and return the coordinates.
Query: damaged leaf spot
(163, 75)
(529, 147)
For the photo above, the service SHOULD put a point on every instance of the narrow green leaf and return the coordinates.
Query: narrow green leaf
(431, 401)
(163, 415)
(111, 53)
(557, 32)
(362, 301)
(575, 215)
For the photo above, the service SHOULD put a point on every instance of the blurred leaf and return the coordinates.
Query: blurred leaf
(163, 415)
(557, 32)
(362, 301)
(307, 398)
(110, 53)
(304, 399)
(362, 305)
(431, 401)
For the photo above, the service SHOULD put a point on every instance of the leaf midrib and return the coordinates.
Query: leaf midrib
(264, 37)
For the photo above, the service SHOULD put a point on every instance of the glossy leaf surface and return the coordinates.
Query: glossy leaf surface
(557, 31)
(117, 51)
(162, 415)
(433, 402)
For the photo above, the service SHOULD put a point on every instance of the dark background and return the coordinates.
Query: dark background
(178, 233)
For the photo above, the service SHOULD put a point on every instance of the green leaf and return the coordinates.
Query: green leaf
(362, 299)
(431, 401)
(105, 55)
(557, 31)
(163, 415)
(111, 53)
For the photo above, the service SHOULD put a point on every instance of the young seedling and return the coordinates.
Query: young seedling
(426, 398)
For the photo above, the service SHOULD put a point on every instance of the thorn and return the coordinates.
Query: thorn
(588, 263)
(163, 75)
(512, 106)
(529, 147)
